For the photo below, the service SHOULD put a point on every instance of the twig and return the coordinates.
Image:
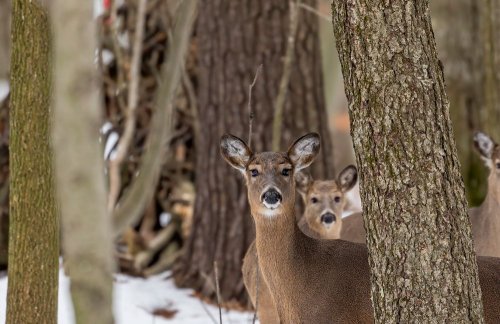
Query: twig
(285, 78)
(315, 11)
(216, 273)
(250, 110)
(116, 44)
(132, 204)
(256, 290)
(208, 312)
(130, 117)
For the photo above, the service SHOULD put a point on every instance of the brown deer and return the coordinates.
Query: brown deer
(324, 202)
(313, 281)
(485, 219)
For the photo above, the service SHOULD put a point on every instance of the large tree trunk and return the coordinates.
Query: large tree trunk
(5, 10)
(34, 223)
(79, 163)
(235, 37)
(468, 39)
(415, 212)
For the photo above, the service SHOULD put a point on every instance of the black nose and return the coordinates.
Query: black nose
(328, 218)
(271, 196)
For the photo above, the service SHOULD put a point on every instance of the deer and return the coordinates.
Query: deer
(309, 280)
(325, 201)
(485, 219)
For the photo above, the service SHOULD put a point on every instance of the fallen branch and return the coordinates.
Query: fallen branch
(285, 78)
(129, 209)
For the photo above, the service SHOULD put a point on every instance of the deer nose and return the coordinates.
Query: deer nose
(271, 196)
(328, 218)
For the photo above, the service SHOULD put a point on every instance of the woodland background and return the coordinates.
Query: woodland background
(171, 202)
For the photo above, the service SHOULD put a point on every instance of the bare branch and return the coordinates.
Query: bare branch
(315, 11)
(216, 274)
(285, 78)
(131, 206)
(130, 116)
(250, 110)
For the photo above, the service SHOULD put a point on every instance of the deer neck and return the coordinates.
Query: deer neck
(491, 203)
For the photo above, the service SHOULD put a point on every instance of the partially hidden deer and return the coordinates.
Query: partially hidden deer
(485, 219)
(309, 280)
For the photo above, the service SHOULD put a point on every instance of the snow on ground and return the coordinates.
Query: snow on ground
(4, 88)
(136, 298)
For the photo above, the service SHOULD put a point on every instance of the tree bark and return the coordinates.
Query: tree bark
(469, 46)
(234, 38)
(87, 236)
(34, 223)
(5, 11)
(415, 212)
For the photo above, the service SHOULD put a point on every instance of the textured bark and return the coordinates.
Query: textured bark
(34, 223)
(87, 236)
(234, 38)
(5, 10)
(468, 39)
(415, 212)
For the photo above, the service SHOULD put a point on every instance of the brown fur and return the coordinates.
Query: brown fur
(485, 219)
(317, 281)
(353, 229)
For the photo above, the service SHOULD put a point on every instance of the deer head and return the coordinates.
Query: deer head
(270, 176)
(325, 201)
(489, 151)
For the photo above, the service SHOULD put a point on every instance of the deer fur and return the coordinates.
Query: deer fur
(313, 281)
(485, 219)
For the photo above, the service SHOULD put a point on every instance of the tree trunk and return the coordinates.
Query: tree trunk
(415, 212)
(34, 223)
(87, 236)
(468, 39)
(5, 10)
(234, 38)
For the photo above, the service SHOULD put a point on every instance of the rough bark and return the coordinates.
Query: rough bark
(234, 38)
(415, 212)
(34, 223)
(468, 44)
(5, 11)
(87, 236)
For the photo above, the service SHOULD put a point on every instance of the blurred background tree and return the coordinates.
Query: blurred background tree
(468, 39)
(234, 38)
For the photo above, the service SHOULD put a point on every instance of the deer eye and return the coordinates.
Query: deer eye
(285, 172)
(337, 199)
(254, 172)
(314, 200)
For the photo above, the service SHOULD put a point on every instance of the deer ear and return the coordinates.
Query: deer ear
(485, 145)
(348, 178)
(303, 152)
(303, 181)
(235, 151)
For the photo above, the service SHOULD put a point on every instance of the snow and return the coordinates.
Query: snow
(4, 88)
(136, 298)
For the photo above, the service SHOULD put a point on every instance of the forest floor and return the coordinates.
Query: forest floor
(136, 300)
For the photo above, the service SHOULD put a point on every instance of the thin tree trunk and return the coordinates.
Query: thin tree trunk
(87, 236)
(34, 223)
(234, 38)
(468, 39)
(418, 233)
(5, 11)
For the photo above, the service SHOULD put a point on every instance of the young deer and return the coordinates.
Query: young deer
(313, 281)
(485, 219)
